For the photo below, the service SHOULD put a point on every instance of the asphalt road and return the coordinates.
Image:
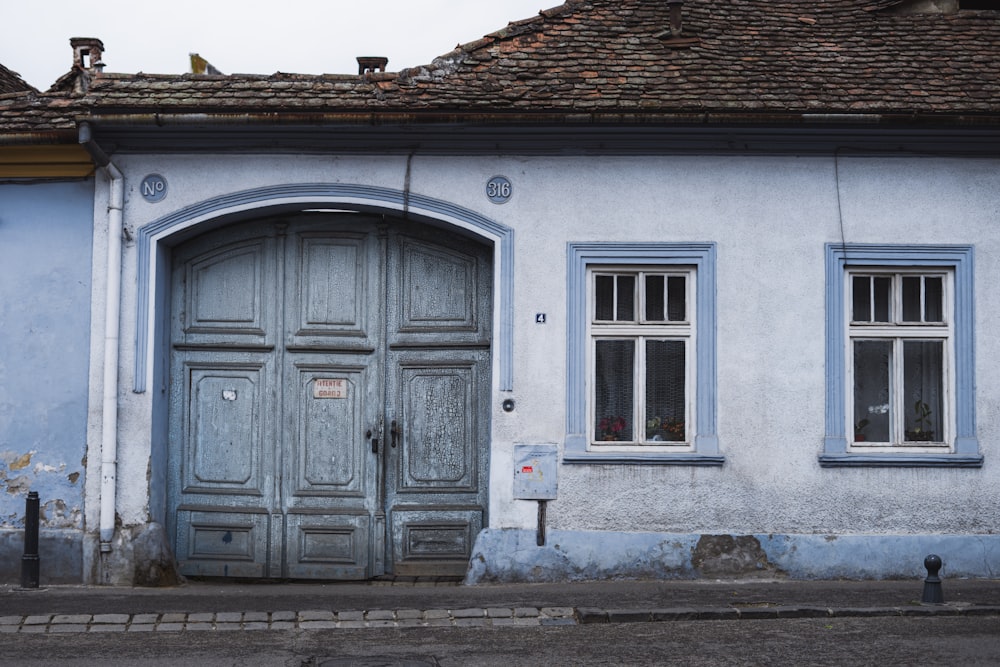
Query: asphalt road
(879, 641)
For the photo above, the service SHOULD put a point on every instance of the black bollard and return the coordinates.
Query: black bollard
(932, 584)
(29, 561)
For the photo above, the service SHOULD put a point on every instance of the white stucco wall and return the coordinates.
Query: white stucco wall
(770, 218)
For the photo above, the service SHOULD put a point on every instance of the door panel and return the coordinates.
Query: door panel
(439, 288)
(227, 295)
(333, 289)
(439, 291)
(438, 444)
(328, 546)
(329, 407)
(225, 435)
(221, 428)
(296, 347)
(222, 544)
(434, 540)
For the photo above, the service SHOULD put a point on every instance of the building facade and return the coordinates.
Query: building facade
(631, 289)
(47, 221)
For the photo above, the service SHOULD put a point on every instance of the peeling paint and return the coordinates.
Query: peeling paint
(62, 506)
(19, 463)
(16, 485)
(55, 514)
(726, 555)
(41, 467)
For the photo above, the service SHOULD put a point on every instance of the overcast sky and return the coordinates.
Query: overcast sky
(249, 36)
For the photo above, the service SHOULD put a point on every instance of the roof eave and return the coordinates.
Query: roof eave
(539, 134)
(518, 118)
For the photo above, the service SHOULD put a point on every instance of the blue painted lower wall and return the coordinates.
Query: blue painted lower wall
(46, 239)
(60, 556)
(508, 555)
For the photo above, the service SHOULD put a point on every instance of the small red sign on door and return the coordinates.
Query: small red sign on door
(525, 470)
(329, 388)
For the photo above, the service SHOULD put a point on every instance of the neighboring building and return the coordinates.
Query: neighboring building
(631, 288)
(46, 236)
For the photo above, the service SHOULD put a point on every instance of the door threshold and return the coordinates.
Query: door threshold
(384, 580)
(394, 580)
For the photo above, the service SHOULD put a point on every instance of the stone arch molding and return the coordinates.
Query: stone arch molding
(293, 197)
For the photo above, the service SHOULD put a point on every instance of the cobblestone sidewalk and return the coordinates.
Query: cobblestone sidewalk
(287, 620)
(319, 619)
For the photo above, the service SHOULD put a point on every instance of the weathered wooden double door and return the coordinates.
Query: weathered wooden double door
(329, 399)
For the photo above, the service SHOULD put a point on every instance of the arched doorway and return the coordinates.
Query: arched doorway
(329, 398)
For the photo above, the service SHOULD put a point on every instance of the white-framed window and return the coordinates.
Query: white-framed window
(641, 354)
(641, 333)
(900, 356)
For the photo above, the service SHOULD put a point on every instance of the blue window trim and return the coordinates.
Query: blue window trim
(959, 258)
(580, 257)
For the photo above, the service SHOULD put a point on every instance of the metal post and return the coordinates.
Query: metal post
(540, 535)
(932, 584)
(29, 561)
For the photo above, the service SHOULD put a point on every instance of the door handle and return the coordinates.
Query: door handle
(395, 431)
(374, 434)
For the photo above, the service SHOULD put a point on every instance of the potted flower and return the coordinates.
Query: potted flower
(859, 428)
(922, 423)
(665, 428)
(610, 428)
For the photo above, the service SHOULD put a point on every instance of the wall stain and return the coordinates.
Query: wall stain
(56, 514)
(18, 485)
(21, 462)
(728, 555)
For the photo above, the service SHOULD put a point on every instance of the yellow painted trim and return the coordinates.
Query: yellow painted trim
(46, 161)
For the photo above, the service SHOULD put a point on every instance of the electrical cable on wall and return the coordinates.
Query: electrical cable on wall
(840, 208)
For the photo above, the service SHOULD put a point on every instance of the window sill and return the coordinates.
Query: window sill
(641, 458)
(899, 461)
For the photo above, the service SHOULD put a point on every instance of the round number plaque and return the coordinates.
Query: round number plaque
(499, 189)
(153, 188)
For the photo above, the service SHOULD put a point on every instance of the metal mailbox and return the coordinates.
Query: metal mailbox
(535, 472)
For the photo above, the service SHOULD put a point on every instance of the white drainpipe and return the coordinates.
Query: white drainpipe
(112, 318)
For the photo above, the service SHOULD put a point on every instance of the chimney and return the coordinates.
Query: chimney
(673, 37)
(676, 22)
(371, 64)
(87, 52)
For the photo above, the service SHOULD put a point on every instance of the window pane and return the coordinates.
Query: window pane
(665, 390)
(613, 389)
(872, 411)
(677, 299)
(883, 287)
(862, 299)
(923, 380)
(655, 296)
(626, 299)
(933, 299)
(911, 299)
(605, 297)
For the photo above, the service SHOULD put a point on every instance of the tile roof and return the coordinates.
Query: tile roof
(591, 55)
(750, 57)
(34, 112)
(11, 82)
